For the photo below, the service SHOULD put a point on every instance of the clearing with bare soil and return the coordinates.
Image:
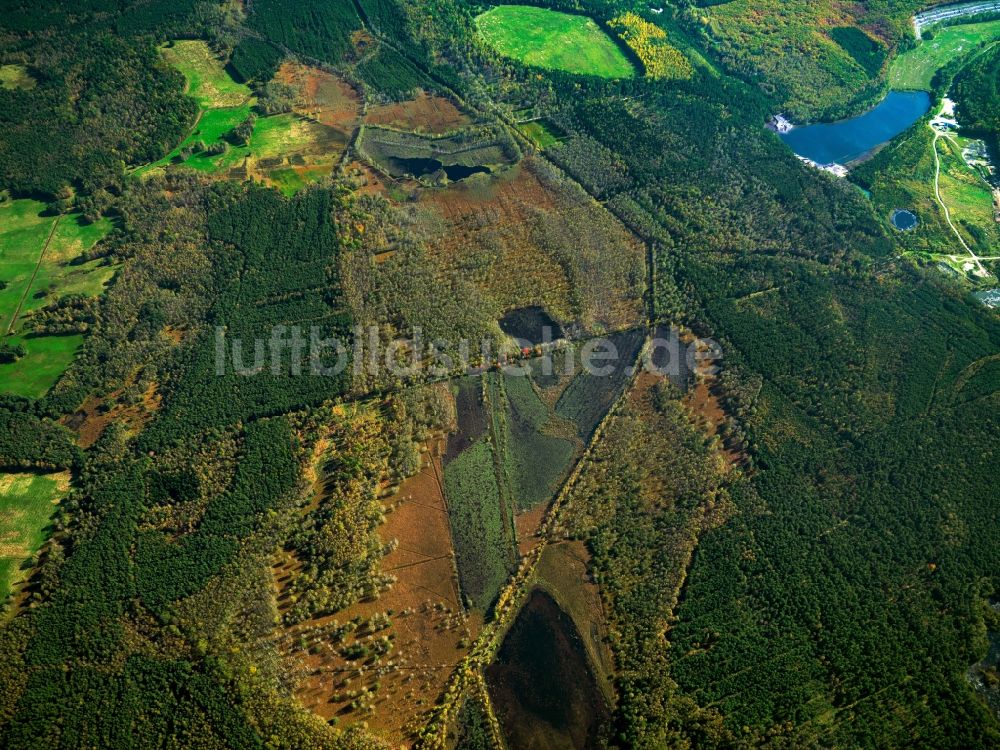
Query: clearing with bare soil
(429, 632)
(424, 114)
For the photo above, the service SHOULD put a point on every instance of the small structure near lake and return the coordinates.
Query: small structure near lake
(780, 124)
(989, 297)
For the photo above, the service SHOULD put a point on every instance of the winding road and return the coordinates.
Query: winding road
(938, 134)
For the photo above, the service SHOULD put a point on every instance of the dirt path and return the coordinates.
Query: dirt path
(937, 194)
(34, 274)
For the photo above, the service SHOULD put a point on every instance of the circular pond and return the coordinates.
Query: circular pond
(903, 220)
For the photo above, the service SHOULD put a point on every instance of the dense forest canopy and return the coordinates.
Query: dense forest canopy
(977, 91)
(798, 550)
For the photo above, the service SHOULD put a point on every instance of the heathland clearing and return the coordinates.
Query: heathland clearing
(13, 77)
(288, 150)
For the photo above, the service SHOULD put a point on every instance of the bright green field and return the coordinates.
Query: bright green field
(15, 77)
(556, 41)
(915, 69)
(207, 80)
(968, 199)
(27, 502)
(212, 125)
(224, 105)
(31, 284)
(272, 138)
(290, 181)
(542, 136)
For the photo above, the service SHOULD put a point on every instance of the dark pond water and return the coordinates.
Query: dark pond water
(903, 220)
(421, 167)
(844, 141)
(671, 357)
(471, 416)
(529, 323)
(460, 172)
(544, 693)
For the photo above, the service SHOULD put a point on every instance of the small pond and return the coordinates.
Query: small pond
(419, 167)
(529, 324)
(541, 685)
(903, 220)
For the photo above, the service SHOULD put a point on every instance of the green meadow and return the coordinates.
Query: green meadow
(539, 133)
(15, 76)
(915, 69)
(27, 502)
(556, 41)
(289, 181)
(225, 104)
(968, 198)
(212, 125)
(208, 83)
(273, 138)
(37, 267)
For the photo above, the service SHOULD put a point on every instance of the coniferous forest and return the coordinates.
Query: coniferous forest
(216, 533)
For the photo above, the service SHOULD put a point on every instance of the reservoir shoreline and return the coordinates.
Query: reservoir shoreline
(853, 140)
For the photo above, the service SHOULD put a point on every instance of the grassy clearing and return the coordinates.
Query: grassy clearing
(589, 395)
(27, 502)
(46, 360)
(274, 137)
(212, 125)
(537, 459)
(556, 41)
(915, 69)
(278, 140)
(287, 150)
(968, 198)
(224, 105)
(540, 133)
(207, 80)
(16, 77)
(291, 180)
(33, 279)
(482, 544)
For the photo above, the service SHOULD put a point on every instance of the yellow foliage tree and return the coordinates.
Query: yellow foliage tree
(661, 60)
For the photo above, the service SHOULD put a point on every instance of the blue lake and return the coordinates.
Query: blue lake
(844, 141)
(904, 220)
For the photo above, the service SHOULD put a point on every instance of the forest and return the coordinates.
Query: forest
(977, 93)
(125, 107)
(798, 551)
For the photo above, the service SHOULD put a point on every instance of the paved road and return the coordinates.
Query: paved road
(944, 12)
